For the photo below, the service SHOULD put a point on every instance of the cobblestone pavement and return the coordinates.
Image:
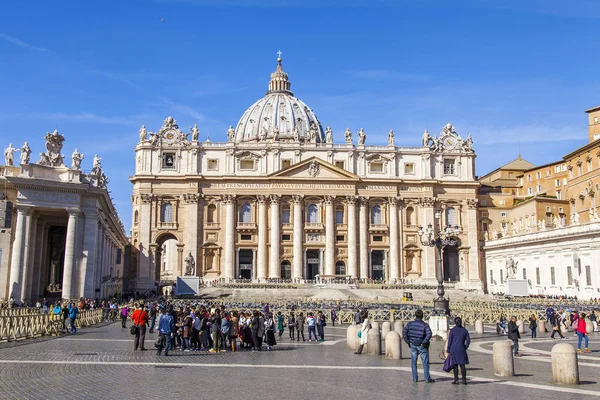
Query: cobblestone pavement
(99, 363)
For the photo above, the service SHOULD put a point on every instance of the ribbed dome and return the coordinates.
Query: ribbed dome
(279, 116)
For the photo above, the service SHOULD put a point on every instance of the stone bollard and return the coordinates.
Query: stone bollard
(373, 342)
(399, 327)
(589, 327)
(503, 358)
(351, 335)
(564, 329)
(565, 369)
(385, 329)
(375, 325)
(393, 345)
(521, 326)
(479, 327)
(541, 326)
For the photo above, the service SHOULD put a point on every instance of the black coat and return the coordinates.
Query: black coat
(513, 331)
(458, 343)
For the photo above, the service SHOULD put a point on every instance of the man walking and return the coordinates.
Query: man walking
(417, 335)
(166, 326)
(73, 312)
(140, 319)
(514, 335)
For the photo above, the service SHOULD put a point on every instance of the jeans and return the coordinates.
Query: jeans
(581, 336)
(311, 330)
(515, 346)
(299, 331)
(216, 340)
(185, 343)
(140, 337)
(152, 322)
(195, 342)
(165, 343)
(421, 351)
(321, 331)
(534, 333)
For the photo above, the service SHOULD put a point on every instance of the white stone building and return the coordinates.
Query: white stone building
(556, 261)
(60, 235)
(280, 200)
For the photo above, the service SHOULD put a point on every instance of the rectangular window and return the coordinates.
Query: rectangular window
(340, 238)
(213, 165)
(528, 178)
(589, 165)
(588, 275)
(339, 217)
(559, 195)
(539, 188)
(339, 164)
(549, 219)
(286, 238)
(246, 237)
(449, 167)
(552, 276)
(537, 276)
(285, 216)
(119, 255)
(285, 163)
(529, 191)
(378, 238)
(501, 278)
(483, 202)
(409, 169)
(538, 175)
(524, 273)
(246, 165)
(557, 183)
(491, 276)
(504, 214)
(569, 276)
(579, 170)
(376, 167)
(484, 226)
(168, 161)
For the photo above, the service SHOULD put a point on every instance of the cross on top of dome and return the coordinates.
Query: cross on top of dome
(279, 82)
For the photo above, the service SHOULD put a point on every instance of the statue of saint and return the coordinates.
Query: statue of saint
(190, 265)
(9, 154)
(426, 138)
(195, 132)
(76, 157)
(348, 136)
(25, 153)
(296, 133)
(275, 133)
(511, 268)
(230, 134)
(264, 132)
(362, 136)
(469, 143)
(391, 138)
(143, 134)
(96, 166)
(328, 135)
(313, 133)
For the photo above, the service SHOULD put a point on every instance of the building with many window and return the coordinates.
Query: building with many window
(280, 200)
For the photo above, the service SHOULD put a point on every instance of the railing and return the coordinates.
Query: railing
(167, 225)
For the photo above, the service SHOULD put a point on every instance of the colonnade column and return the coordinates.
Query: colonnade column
(274, 267)
(298, 237)
(261, 257)
(88, 264)
(229, 201)
(68, 286)
(16, 262)
(145, 276)
(352, 264)
(192, 201)
(329, 236)
(28, 258)
(37, 280)
(363, 221)
(394, 256)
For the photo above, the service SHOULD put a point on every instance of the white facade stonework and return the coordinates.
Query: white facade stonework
(280, 200)
(559, 261)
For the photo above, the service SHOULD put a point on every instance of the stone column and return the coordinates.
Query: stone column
(145, 275)
(191, 227)
(29, 258)
(98, 272)
(363, 221)
(472, 269)
(38, 275)
(69, 278)
(16, 262)
(88, 263)
(394, 250)
(329, 236)
(298, 237)
(274, 263)
(428, 256)
(352, 261)
(229, 201)
(261, 257)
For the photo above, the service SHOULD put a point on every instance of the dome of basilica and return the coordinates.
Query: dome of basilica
(279, 116)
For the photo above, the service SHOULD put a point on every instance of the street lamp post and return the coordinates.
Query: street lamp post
(439, 239)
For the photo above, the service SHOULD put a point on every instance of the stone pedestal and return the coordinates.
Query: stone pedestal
(373, 342)
(589, 327)
(565, 367)
(541, 326)
(521, 326)
(503, 358)
(393, 345)
(399, 327)
(385, 329)
(351, 334)
(479, 327)
(439, 326)
(188, 285)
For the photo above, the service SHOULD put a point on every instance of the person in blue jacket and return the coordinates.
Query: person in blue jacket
(456, 346)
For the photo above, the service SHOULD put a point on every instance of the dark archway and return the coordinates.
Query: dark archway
(451, 267)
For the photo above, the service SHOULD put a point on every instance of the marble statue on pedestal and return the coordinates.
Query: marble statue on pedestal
(96, 166)
(9, 154)
(52, 157)
(143, 134)
(348, 136)
(313, 133)
(511, 268)
(190, 265)
(230, 134)
(426, 138)
(391, 138)
(275, 133)
(195, 132)
(25, 153)
(76, 158)
(328, 135)
(362, 136)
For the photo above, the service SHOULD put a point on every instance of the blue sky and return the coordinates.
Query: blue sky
(516, 76)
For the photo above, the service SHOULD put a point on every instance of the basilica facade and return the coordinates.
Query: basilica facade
(279, 199)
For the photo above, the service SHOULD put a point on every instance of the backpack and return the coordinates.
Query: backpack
(575, 324)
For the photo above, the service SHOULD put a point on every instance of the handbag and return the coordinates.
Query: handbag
(158, 342)
(359, 334)
(449, 363)
(133, 329)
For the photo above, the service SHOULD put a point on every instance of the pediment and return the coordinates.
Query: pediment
(314, 168)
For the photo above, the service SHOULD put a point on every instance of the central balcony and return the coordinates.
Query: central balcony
(314, 227)
(246, 226)
(378, 228)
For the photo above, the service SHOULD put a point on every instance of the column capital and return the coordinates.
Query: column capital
(275, 198)
(328, 199)
(363, 200)
(297, 198)
(427, 201)
(394, 201)
(350, 200)
(228, 198)
(262, 199)
(192, 198)
(472, 203)
(146, 198)
(73, 212)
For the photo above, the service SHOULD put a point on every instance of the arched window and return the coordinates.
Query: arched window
(313, 214)
(340, 268)
(246, 213)
(376, 215)
(451, 216)
(339, 215)
(211, 213)
(135, 217)
(285, 215)
(167, 213)
(411, 219)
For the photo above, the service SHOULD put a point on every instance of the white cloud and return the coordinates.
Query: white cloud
(20, 43)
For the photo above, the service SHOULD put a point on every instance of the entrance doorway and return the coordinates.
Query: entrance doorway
(340, 268)
(312, 263)
(286, 270)
(451, 268)
(246, 260)
(377, 267)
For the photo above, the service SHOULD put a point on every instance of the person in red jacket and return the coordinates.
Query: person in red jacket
(140, 319)
(581, 333)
